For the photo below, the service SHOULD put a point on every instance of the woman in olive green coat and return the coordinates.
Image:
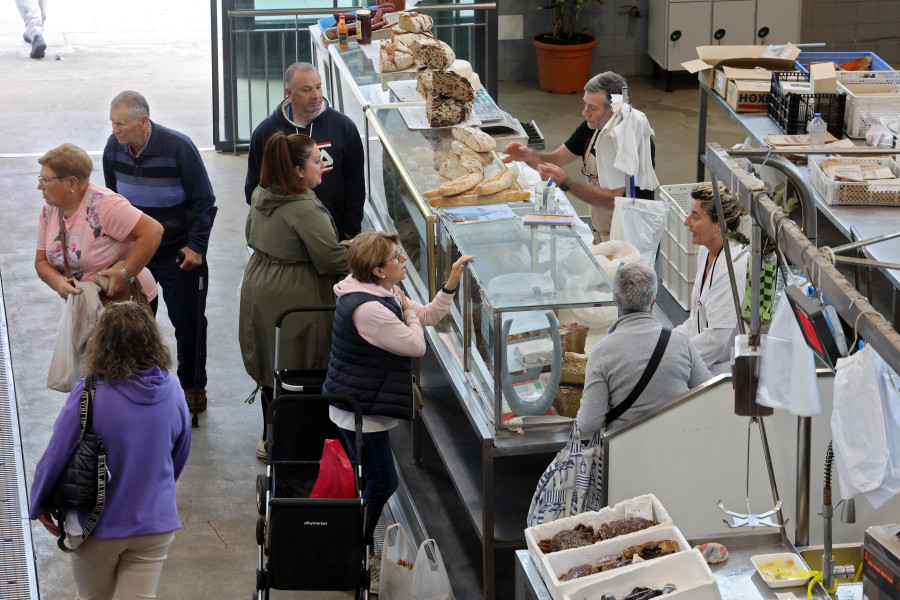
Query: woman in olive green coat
(296, 256)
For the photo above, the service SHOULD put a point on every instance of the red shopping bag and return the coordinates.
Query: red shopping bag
(335, 478)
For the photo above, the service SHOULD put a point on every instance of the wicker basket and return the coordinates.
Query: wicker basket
(854, 193)
(868, 99)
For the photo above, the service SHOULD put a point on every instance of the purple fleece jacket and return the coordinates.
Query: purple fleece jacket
(147, 434)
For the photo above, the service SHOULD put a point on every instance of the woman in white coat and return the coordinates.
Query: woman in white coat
(712, 324)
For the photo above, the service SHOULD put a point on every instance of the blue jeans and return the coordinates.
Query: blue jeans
(379, 475)
(180, 290)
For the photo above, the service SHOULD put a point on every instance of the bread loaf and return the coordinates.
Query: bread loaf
(443, 112)
(457, 165)
(510, 195)
(573, 368)
(568, 400)
(497, 182)
(475, 139)
(424, 77)
(573, 337)
(406, 38)
(433, 53)
(395, 57)
(486, 158)
(415, 22)
(448, 83)
(460, 185)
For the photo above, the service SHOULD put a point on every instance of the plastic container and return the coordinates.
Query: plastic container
(816, 130)
(855, 193)
(802, 62)
(871, 96)
(781, 570)
(792, 111)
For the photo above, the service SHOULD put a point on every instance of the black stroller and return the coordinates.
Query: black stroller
(307, 543)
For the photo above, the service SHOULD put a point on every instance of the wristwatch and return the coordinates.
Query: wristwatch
(565, 185)
(127, 276)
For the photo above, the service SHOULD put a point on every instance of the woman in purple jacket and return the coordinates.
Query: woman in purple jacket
(140, 411)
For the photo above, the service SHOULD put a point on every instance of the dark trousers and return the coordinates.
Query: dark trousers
(379, 475)
(180, 290)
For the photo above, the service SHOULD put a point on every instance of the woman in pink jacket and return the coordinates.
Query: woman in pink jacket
(377, 330)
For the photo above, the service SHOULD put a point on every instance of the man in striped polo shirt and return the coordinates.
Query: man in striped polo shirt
(160, 171)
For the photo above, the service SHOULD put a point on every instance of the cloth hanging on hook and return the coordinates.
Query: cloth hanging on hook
(623, 149)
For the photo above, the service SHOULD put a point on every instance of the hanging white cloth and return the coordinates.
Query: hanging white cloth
(623, 149)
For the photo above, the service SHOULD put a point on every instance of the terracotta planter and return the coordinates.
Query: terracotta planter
(563, 68)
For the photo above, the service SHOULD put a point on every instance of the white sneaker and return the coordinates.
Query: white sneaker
(374, 573)
(261, 450)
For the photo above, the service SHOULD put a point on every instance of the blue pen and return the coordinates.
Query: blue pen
(549, 182)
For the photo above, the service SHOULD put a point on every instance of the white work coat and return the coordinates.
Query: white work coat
(712, 324)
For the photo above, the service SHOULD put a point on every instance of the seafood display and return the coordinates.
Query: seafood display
(584, 535)
(645, 551)
(643, 593)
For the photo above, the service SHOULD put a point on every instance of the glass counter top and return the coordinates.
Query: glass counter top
(356, 64)
(521, 266)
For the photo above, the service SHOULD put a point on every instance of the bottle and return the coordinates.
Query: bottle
(343, 33)
(364, 26)
(816, 130)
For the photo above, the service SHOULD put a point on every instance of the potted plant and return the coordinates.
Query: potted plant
(564, 54)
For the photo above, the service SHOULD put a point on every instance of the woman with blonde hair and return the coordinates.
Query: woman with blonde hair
(377, 332)
(712, 323)
(140, 412)
(296, 259)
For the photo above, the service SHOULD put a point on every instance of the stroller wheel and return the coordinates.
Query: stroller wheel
(260, 531)
(261, 494)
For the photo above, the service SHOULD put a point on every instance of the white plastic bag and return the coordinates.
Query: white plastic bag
(65, 366)
(857, 423)
(429, 576)
(397, 559)
(643, 225)
(787, 378)
(888, 384)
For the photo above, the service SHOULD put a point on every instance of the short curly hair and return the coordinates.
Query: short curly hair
(125, 340)
(368, 250)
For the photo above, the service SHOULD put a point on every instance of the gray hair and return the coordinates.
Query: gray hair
(297, 66)
(135, 103)
(607, 82)
(634, 288)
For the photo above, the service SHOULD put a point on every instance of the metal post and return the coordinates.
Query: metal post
(804, 444)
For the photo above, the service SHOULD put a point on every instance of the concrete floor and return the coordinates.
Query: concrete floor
(97, 48)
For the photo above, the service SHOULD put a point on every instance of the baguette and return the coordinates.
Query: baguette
(460, 185)
(508, 195)
(497, 182)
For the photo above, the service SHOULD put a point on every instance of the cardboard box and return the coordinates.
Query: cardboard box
(775, 58)
(748, 96)
(725, 74)
(822, 78)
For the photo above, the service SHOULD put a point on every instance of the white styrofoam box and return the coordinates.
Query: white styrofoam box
(545, 531)
(687, 571)
(559, 563)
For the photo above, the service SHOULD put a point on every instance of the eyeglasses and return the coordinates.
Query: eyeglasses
(397, 256)
(46, 180)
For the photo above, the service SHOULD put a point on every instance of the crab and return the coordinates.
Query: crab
(649, 550)
(623, 526)
(580, 535)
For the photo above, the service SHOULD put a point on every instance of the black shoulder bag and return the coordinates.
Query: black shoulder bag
(646, 376)
(82, 484)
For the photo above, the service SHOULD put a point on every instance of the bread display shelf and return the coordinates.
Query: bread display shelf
(415, 119)
(405, 90)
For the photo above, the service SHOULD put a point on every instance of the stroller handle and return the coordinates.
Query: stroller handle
(294, 309)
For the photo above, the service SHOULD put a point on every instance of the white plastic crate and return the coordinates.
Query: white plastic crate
(687, 571)
(855, 193)
(545, 531)
(559, 563)
(868, 99)
(675, 283)
(679, 199)
(683, 260)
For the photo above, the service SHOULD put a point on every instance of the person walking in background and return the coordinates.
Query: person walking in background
(305, 110)
(377, 331)
(296, 260)
(139, 410)
(160, 171)
(34, 13)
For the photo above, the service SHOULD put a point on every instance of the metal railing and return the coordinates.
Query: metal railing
(253, 55)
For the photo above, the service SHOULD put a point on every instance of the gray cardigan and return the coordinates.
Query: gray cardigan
(617, 362)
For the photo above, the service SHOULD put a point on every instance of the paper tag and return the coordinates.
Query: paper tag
(785, 595)
(639, 507)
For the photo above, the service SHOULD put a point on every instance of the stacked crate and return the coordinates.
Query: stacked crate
(678, 264)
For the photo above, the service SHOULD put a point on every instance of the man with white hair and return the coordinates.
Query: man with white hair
(640, 365)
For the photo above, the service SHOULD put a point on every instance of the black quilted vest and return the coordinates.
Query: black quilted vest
(379, 380)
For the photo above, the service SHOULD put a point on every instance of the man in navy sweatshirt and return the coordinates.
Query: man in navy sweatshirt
(306, 111)
(160, 171)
